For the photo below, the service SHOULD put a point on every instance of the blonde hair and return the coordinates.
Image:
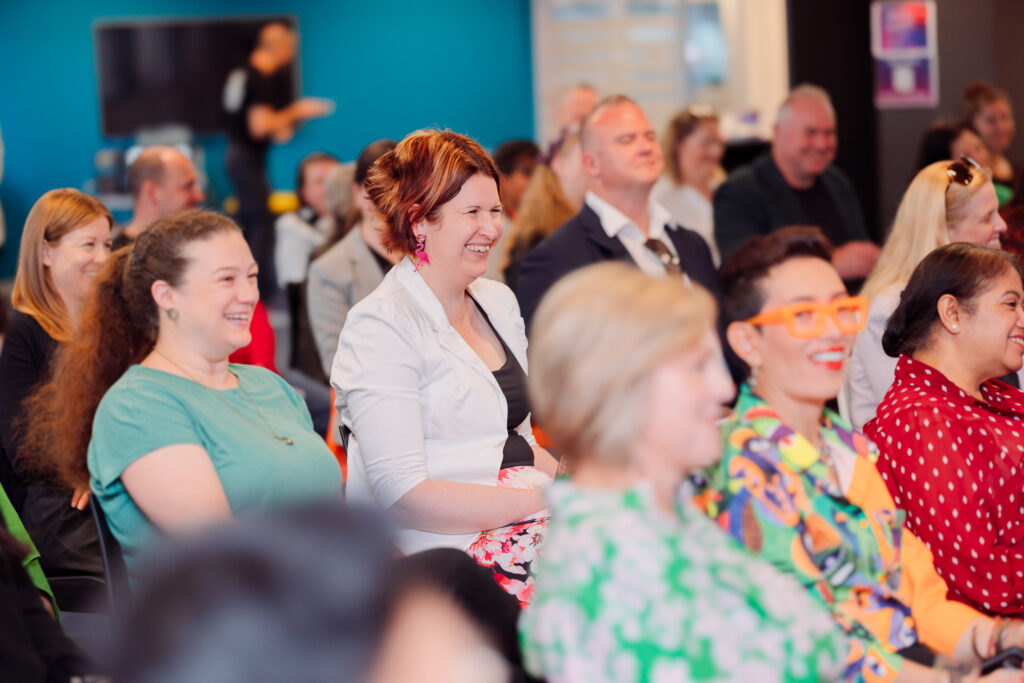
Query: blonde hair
(54, 215)
(544, 207)
(929, 206)
(597, 337)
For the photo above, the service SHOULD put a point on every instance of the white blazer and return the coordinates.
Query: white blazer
(419, 401)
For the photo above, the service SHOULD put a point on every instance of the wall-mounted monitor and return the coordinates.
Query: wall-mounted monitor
(171, 72)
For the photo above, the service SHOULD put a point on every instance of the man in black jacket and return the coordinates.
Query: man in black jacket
(622, 160)
(796, 184)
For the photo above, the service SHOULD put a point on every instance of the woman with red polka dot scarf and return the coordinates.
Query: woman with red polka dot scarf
(950, 434)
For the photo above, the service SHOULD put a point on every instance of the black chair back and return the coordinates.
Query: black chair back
(118, 590)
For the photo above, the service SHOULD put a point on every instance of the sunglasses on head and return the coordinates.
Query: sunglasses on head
(960, 171)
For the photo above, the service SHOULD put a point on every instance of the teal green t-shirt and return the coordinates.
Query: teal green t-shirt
(149, 409)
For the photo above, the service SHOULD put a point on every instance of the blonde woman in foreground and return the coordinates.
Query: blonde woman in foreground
(634, 583)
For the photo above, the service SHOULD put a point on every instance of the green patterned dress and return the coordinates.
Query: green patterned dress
(625, 592)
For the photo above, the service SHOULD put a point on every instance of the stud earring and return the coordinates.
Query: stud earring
(172, 313)
(421, 252)
(954, 327)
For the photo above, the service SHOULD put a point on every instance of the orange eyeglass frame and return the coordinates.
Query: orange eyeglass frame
(786, 315)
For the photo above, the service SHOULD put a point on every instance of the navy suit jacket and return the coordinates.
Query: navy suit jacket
(582, 241)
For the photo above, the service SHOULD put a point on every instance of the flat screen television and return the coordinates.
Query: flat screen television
(171, 72)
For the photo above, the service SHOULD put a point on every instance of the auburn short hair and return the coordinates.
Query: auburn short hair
(424, 172)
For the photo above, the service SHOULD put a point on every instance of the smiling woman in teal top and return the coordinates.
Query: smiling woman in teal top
(148, 409)
(181, 437)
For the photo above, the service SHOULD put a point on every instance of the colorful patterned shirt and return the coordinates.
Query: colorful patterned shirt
(627, 592)
(831, 523)
(954, 463)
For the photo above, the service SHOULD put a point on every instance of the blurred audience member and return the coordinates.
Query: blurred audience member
(1013, 213)
(622, 162)
(944, 140)
(796, 184)
(300, 232)
(32, 645)
(162, 180)
(959, 325)
(430, 372)
(309, 595)
(353, 267)
(516, 160)
(948, 201)
(798, 484)
(258, 100)
(989, 112)
(622, 550)
(3, 230)
(576, 102)
(554, 195)
(64, 246)
(4, 322)
(693, 150)
(340, 205)
(181, 437)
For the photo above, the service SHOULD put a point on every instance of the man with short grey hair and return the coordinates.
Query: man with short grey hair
(796, 184)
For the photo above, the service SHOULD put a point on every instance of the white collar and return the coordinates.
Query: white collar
(614, 221)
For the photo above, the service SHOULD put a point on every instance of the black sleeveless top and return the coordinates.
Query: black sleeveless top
(512, 380)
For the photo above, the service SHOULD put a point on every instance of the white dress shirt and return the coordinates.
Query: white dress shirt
(420, 403)
(296, 240)
(617, 225)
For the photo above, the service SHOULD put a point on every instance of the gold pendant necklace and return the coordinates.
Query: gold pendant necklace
(283, 439)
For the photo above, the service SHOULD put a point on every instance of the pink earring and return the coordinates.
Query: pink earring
(421, 252)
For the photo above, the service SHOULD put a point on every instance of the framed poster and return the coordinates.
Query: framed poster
(905, 49)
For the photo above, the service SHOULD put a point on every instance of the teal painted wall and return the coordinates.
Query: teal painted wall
(391, 66)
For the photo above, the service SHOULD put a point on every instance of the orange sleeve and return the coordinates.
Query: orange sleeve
(940, 621)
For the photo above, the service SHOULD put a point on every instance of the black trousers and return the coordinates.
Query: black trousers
(247, 169)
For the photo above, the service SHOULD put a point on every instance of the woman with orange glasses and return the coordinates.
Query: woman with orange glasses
(798, 486)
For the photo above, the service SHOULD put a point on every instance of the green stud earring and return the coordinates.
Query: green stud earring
(172, 313)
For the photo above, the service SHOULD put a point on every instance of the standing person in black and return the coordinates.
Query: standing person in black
(65, 244)
(796, 184)
(258, 98)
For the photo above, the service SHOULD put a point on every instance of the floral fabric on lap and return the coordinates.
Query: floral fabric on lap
(510, 550)
(831, 523)
(627, 592)
(954, 464)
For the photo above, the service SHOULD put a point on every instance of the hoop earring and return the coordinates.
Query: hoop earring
(421, 252)
(172, 313)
